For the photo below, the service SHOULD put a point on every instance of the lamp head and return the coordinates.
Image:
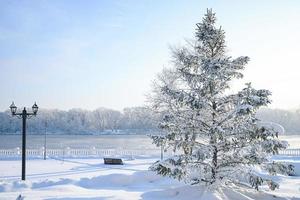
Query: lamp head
(13, 108)
(35, 108)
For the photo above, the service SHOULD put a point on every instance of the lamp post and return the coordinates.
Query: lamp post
(45, 141)
(23, 115)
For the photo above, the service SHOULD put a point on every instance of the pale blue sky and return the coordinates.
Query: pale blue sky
(87, 54)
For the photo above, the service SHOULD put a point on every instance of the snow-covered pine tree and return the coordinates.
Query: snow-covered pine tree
(216, 136)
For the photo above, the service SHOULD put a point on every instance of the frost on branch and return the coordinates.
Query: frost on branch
(215, 136)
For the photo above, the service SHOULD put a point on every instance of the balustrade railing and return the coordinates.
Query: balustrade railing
(94, 152)
(79, 153)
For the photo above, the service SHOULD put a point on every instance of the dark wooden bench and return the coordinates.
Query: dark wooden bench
(113, 161)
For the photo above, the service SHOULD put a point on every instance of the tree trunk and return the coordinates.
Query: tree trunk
(214, 165)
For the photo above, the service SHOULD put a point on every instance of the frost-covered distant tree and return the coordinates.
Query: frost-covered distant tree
(215, 135)
(138, 118)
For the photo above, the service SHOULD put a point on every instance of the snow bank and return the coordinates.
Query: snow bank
(82, 179)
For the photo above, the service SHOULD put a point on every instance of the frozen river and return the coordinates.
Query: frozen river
(78, 141)
(98, 141)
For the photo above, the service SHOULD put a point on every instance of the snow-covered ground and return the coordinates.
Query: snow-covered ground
(90, 179)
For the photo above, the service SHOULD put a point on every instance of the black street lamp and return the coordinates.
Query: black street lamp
(23, 115)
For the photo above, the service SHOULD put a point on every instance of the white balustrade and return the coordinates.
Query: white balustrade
(95, 152)
(78, 153)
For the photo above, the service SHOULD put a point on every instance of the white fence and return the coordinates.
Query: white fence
(80, 153)
(99, 153)
(290, 152)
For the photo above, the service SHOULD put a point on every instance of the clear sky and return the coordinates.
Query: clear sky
(88, 54)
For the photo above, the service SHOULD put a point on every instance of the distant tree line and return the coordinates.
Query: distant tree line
(78, 121)
(130, 120)
(290, 120)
